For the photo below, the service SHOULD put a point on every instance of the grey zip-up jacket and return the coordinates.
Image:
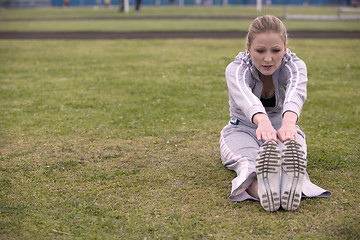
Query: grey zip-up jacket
(245, 88)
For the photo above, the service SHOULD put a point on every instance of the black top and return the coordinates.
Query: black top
(268, 102)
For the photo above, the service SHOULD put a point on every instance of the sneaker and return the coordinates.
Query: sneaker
(293, 171)
(268, 165)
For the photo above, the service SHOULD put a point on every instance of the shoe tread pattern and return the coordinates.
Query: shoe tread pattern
(294, 165)
(268, 163)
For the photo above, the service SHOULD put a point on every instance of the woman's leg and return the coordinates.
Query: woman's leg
(239, 148)
(252, 190)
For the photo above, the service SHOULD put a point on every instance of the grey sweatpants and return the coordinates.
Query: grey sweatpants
(239, 148)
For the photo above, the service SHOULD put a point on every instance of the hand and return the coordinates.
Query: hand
(288, 129)
(287, 132)
(265, 130)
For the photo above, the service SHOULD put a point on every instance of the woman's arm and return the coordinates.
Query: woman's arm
(296, 82)
(241, 98)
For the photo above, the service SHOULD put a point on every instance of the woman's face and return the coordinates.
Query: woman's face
(266, 51)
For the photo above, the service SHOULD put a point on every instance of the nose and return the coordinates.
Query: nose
(267, 58)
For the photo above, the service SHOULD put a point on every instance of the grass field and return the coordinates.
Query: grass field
(118, 139)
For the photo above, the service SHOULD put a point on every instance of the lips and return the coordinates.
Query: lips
(267, 67)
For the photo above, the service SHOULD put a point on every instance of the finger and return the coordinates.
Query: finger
(282, 136)
(274, 137)
(264, 137)
(282, 139)
(293, 136)
(270, 136)
(258, 136)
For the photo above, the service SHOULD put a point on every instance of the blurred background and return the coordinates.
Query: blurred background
(77, 3)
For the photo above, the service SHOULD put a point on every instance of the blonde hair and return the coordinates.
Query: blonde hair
(266, 23)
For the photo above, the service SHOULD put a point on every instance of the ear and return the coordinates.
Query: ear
(285, 47)
(247, 45)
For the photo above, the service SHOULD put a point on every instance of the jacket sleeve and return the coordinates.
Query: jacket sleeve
(241, 98)
(296, 81)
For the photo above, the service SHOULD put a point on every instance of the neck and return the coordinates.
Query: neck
(265, 77)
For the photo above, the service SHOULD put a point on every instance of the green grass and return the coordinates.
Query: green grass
(119, 140)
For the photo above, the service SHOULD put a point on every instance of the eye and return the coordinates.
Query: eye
(276, 50)
(260, 50)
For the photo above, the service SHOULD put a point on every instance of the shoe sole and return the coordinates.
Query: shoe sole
(268, 166)
(293, 171)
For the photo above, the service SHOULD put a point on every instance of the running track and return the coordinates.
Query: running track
(158, 34)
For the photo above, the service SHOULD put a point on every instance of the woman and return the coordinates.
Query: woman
(262, 143)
